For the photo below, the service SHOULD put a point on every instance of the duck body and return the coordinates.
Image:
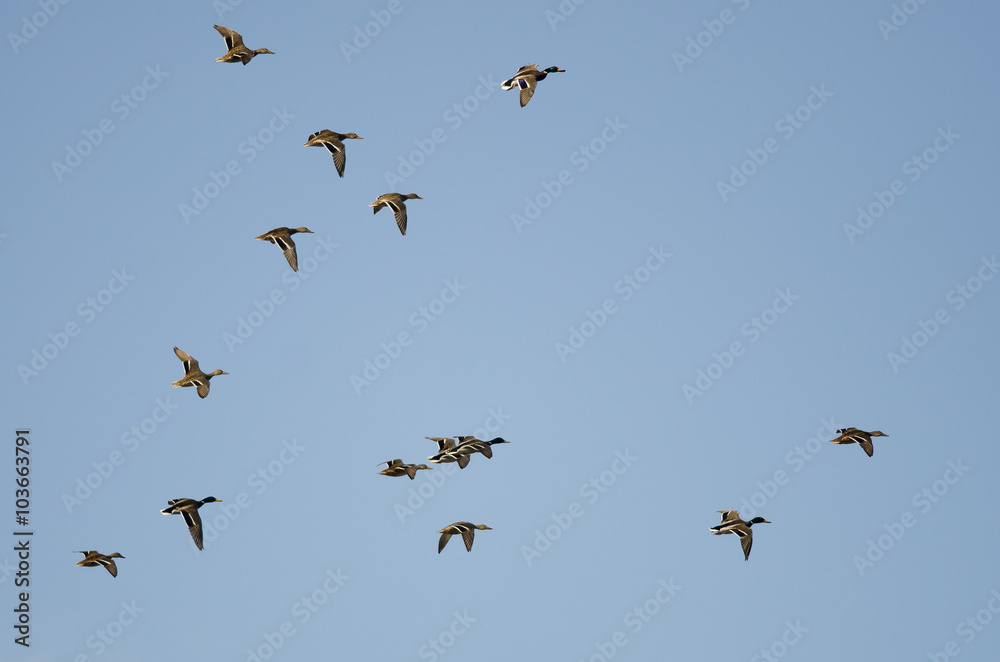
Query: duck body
(449, 451)
(397, 468)
(333, 142)
(395, 202)
(859, 437)
(472, 445)
(282, 237)
(189, 509)
(94, 558)
(731, 523)
(237, 51)
(467, 531)
(193, 376)
(526, 79)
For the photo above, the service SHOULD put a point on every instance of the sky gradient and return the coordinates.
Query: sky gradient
(726, 231)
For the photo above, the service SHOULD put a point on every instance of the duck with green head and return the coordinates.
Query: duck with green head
(731, 523)
(470, 445)
(525, 80)
(189, 509)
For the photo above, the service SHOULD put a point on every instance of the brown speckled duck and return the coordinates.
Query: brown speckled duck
(283, 238)
(237, 51)
(333, 142)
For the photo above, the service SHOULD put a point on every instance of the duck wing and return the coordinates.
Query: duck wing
(190, 363)
(232, 37)
(193, 521)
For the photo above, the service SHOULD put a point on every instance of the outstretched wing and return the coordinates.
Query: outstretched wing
(527, 86)
(190, 363)
(193, 521)
(232, 37)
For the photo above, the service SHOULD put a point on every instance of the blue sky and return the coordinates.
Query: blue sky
(727, 230)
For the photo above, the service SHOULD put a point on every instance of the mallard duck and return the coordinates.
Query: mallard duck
(397, 468)
(448, 451)
(193, 376)
(395, 202)
(332, 141)
(94, 558)
(189, 509)
(237, 51)
(473, 445)
(526, 78)
(859, 437)
(467, 529)
(283, 238)
(731, 523)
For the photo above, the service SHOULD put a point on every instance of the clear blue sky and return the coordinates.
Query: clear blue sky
(727, 230)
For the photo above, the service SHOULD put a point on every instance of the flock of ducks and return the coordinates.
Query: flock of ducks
(525, 80)
(458, 449)
(450, 449)
(731, 522)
